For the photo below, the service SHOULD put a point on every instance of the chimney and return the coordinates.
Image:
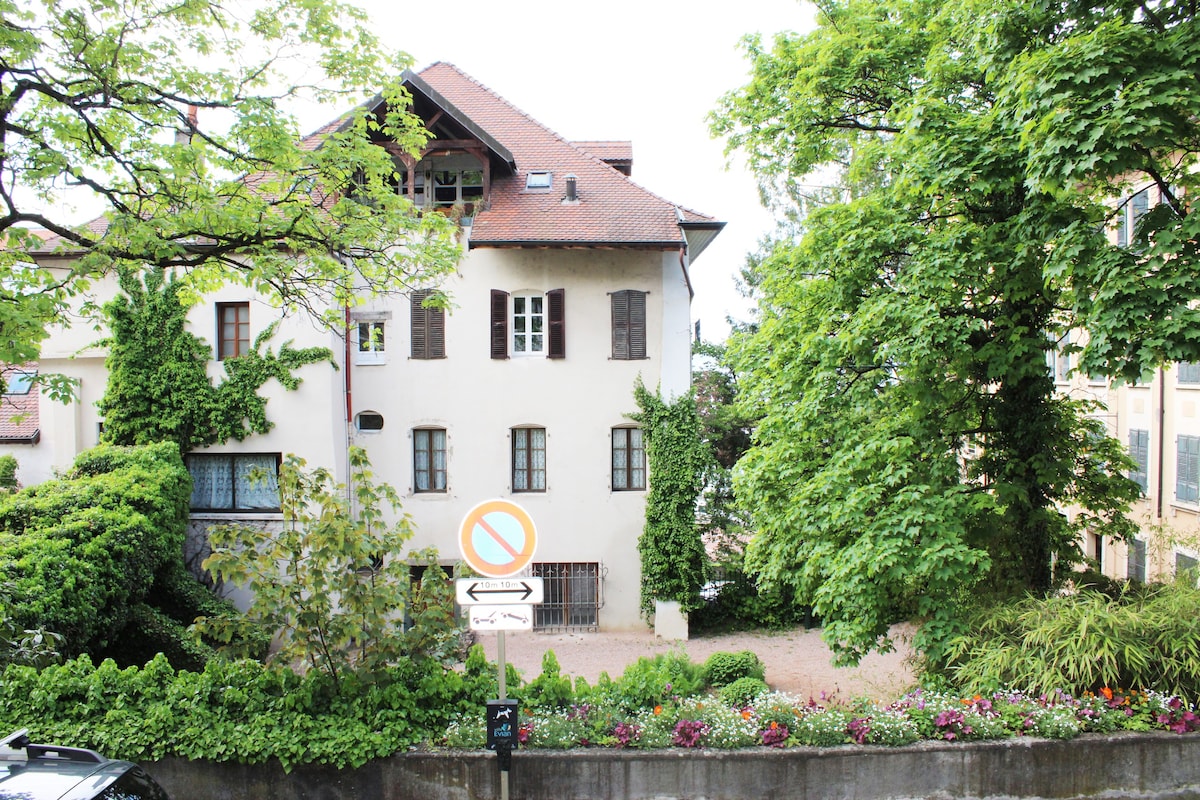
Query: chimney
(184, 136)
(572, 190)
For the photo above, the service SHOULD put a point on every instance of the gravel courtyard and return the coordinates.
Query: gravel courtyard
(796, 661)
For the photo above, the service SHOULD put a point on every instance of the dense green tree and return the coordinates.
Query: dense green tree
(912, 450)
(158, 383)
(96, 98)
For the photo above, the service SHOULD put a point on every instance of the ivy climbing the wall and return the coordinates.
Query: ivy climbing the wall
(674, 566)
(158, 384)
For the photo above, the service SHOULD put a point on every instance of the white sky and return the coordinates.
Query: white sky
(648, 71)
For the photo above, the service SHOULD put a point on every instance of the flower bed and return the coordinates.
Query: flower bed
(776, 719)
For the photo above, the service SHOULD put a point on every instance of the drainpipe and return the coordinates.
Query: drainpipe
(1162, 444)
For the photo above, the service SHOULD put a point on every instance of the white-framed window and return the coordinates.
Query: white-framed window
(1129, 214)
(371, 343)
(429, 459)
(528, 459)
(528, 324)
(628, 459)
(234, 481)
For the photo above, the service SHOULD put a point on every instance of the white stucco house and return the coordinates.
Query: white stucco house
(574, 283)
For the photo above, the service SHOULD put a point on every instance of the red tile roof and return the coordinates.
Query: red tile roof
(611, 210)
(19, 422)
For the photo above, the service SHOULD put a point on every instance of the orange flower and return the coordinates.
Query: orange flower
(774, 725)
(1107, 692)
(746, 714)
(657, 710)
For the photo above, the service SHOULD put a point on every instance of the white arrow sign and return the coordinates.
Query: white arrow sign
(500, 618)
(498, 591)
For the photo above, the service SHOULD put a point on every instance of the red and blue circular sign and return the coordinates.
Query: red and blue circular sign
(497, 538)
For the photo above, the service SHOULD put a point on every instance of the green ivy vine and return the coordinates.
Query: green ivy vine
(158, 384)
(674, 565)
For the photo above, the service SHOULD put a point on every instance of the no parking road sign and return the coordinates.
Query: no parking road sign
(497, 538)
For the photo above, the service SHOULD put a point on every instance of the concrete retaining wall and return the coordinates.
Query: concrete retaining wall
(1161, 766)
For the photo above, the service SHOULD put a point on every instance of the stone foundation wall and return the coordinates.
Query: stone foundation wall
(1156, 766)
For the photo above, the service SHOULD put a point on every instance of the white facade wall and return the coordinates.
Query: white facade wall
(478, 400)
(578, 400)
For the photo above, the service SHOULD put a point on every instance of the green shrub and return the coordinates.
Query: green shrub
(8, 471)
(550, 689)
(82, 551)
(237, 711)
(742, 692)
(1147, 638)
(724, 668)
(653, 681)
(741, 605)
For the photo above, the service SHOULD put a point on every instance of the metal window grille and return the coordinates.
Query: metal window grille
(573, 596)
(1189, 372)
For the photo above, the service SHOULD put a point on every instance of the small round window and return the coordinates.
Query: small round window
(369, 421)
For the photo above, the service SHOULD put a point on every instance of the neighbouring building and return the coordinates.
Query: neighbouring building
(1159, 423)
(574, 284)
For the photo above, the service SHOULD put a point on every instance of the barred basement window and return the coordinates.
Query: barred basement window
(572, 596)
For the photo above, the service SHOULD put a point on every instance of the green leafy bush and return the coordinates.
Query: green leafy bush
(740, 604)
(723, 668)
(231, 711)
(1147, 638)
(550, 689)
(742, 691)
(8, 471)
(649, 682)
(81, 552)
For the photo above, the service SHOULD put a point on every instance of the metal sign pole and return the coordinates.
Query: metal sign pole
(504, 754)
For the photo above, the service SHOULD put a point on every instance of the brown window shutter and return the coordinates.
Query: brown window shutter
(637, 324)
(420, 324)
(435, 333)
(620, 324)
(499, 324)
(557, 318)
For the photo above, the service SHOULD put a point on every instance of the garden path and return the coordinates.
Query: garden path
(796, 661)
